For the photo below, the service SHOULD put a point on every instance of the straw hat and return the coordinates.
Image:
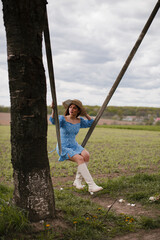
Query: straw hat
(76, 102)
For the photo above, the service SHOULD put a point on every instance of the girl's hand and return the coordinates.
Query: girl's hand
(52, 105)
(88, 117)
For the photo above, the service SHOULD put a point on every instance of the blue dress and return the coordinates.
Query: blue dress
(68, 133)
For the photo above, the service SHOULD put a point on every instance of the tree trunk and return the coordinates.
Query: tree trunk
(24, 23)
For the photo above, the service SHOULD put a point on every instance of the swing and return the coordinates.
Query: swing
(115, 85)
(52, 79)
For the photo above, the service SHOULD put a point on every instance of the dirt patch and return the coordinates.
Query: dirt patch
(135, 211)
(128, 208)
(125, 207)
(5, 120)
(58, 224)
(61, 181)
(104, 121)
(141, 235)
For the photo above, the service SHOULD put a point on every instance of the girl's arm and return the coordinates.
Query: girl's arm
(52, 113)
(88, 117)
(52, 106)
(86, 123)
(51, 119)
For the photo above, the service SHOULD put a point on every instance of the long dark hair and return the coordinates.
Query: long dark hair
(67, 110)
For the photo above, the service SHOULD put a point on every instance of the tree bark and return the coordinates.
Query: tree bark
(24, 23)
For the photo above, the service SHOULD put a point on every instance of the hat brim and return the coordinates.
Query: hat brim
(68, 102)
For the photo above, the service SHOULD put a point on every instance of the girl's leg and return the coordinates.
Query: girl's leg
(85, 155)
(83, 170)
(77, 158)
(82, 158)
(78, 180)
(92, 187)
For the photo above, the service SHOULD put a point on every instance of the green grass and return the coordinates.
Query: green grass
(113, 151)
(136, 188)
(12, 219)
(5, 154)
(123, 161)
(85, 220)
(88, 220)
(132, 127)
(5, 192)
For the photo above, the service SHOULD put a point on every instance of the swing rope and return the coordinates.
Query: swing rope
(122, 72)
(52, 79)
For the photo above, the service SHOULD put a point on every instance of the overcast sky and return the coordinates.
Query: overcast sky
(91, 40)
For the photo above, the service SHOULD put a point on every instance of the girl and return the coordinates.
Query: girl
(70, 124)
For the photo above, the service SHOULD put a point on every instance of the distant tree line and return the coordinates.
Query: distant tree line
(4, 109)
(110, 111)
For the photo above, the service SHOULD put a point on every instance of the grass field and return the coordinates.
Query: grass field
(126, 162)
(113, 152)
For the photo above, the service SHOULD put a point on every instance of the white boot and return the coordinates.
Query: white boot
(78, 181)
(92, 187)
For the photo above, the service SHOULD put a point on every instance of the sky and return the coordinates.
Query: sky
(91, 40)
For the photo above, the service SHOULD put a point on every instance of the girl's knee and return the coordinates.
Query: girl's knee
(86, 156)
(86, 159)
(80, 160)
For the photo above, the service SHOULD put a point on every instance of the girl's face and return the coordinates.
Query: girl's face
(73, 110)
